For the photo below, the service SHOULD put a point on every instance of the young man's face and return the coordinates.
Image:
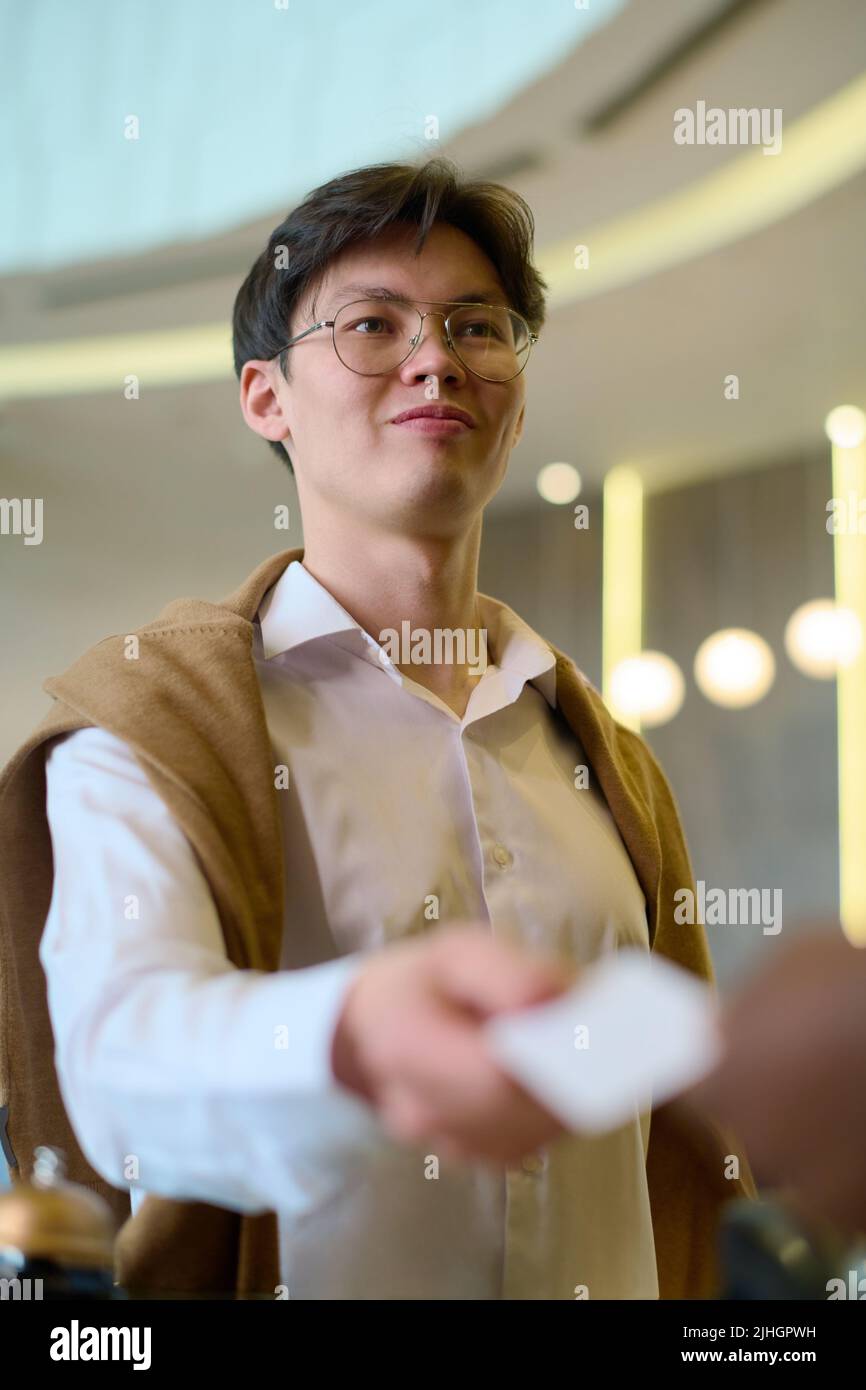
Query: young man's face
(338, 426)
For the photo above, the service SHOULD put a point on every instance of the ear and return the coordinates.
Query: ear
(260, 405)
(518, 428)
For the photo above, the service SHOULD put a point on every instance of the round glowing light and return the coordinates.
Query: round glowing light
(734, 667)
(822, 636)
(649, 687)
(558, 483)
(846, 426)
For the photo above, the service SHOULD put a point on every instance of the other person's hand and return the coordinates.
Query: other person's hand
(792, 1082)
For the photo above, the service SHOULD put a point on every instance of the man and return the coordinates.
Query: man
(295, 871)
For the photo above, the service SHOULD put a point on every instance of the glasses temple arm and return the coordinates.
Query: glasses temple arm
(325, 323)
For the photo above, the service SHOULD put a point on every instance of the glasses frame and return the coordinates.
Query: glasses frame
(414, 341)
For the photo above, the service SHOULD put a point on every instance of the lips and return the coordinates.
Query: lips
(435, 412)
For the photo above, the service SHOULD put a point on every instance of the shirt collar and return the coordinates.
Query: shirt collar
(299, 609)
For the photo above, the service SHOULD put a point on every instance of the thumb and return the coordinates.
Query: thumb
(488, 977)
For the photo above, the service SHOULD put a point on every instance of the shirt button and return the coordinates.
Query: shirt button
(502, 856)
(533, 1163)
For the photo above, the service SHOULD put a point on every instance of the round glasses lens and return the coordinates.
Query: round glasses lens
(373, 336)
(491, 341)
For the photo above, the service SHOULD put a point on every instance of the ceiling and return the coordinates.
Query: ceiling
(115, 120)
(633, 373)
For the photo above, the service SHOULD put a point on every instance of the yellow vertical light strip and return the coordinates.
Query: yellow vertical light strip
(849, 563)
(622, 578)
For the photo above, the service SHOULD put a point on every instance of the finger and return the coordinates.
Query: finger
(402, 1114)
(489, 976)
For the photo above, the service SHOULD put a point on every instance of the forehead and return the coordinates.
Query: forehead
(449, 266)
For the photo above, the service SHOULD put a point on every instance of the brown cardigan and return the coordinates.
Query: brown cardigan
(191, 708)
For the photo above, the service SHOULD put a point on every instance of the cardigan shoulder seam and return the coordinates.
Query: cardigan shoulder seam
(175, 628)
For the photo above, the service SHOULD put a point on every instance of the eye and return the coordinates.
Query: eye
(485, 327)
(371, 319)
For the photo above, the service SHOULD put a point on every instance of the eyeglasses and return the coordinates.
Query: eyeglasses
(490, 340)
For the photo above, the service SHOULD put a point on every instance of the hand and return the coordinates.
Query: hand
(792, 1081)
(409, 1040)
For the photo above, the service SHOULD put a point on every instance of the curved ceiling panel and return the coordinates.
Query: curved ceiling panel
(131, 125)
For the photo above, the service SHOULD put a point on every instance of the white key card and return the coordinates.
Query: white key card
(631, 1034)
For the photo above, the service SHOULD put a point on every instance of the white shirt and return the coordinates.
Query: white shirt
(187, 1077)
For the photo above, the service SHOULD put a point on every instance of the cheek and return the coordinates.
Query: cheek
(355, 400)
(506, 413)
(339, 403)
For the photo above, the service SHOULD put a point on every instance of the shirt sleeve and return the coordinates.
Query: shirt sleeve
(181, 1074)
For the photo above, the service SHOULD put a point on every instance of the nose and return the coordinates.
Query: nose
(432, 355)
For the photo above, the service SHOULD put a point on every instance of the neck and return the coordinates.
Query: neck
(388, 579)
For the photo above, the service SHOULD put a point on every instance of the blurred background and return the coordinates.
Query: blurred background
(694, 404)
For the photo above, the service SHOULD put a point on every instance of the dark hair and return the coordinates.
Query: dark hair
(358, 206)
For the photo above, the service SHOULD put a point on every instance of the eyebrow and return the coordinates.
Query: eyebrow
(478, 296)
